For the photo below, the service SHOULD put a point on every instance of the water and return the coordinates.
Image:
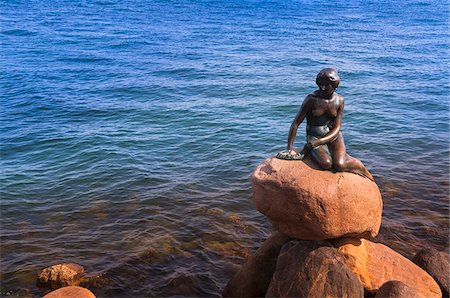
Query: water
(129, 130)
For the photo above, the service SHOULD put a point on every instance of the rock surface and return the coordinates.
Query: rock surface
(70, 292)
(313, 269)
(61, 275)
(437, 265)
(309, 204)
(375, 264)
(253, 279)
(395, 289)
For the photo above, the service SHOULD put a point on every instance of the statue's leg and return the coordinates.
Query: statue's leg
(342, 162)
(322, 157)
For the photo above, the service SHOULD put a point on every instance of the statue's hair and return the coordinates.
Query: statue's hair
(329, 74)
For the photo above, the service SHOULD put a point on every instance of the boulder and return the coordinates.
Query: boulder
(310, 204)
(437, 265)
(253, 279)
(312, 269)
(61, 275)
(375, 264)
(395, 289)
(70, 292)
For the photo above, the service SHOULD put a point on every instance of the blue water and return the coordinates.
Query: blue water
(129, 129)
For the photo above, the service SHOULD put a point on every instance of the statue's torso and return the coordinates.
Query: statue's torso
(321, 116)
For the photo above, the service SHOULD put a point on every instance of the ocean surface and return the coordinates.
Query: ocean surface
(129, 129)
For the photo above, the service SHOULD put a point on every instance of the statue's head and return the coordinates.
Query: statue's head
(328, 76)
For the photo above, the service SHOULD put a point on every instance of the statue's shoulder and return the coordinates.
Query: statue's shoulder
(310, 97)
(314, 94)
(340, 98)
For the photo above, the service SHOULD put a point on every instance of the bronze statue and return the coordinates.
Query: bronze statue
(323, 110)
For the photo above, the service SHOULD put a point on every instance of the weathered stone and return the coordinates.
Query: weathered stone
(61, 275)
(309, 204)
(70, 292)
(312, 269)
(253, 279)
(375, 264)
(437, 265)
(395, 289)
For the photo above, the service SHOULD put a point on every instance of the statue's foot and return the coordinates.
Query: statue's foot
(365, 173)
(368, 175)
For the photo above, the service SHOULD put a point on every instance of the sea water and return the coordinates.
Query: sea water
(129, 129)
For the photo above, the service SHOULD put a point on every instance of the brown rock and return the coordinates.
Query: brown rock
(61, 275)
(312, 269)
(395, 289)
(375, 264)
(70, 292)
(253, 279)
(309, 204)
(437, 265)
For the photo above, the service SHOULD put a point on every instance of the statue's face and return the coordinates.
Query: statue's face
(327, 80)
(326, 88)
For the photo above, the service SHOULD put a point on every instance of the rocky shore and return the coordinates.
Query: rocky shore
(321, 245)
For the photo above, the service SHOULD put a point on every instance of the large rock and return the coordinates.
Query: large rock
(395, 289)
(253, 279)
(437, 265)
(61, 275)
(70, 292)
(309, 204)
(313, 269)
(375, 264)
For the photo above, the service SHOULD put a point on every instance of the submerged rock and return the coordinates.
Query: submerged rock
(437, 265)
(313, 269)
(227, 248)
(61, 275)
(70, 292)
(253, 279)
(310, 204)
(374, 264)
(395, 289)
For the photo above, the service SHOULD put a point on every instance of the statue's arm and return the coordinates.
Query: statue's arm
(297, 121)
(333, 133)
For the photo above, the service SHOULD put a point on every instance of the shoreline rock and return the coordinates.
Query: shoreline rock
(309, 204)
(395, 289)
(436, 264)
(70, 292)
(374, 264)
(253, 279)
(313, 269)
(61, 275)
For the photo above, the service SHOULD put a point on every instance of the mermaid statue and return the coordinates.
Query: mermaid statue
(323, 110)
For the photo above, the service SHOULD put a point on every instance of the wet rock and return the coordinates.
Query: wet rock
(375, 264)
(61, 275)
(70, 292)
(309, 204)
(395, 289)
(437, 265)
(313, 269)
(253, 279)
